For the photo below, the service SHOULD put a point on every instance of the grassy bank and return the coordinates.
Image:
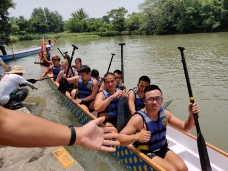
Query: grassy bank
(65, 35)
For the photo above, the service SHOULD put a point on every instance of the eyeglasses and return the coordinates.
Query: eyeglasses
(157, 98)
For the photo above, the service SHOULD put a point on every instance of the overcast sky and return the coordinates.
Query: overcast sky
(95, 8)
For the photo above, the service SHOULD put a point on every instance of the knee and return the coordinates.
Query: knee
(182, 167)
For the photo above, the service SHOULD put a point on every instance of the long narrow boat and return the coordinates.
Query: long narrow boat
(21, 54)
(184, 144)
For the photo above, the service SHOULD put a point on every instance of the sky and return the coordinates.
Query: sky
(95, 8)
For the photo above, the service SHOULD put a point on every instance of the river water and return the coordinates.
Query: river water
(157, 57)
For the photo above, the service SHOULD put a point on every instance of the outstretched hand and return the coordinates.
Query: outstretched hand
(97, 138)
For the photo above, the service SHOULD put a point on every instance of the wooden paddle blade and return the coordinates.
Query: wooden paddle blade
(123, 115)
(63, 86)
(166, 104)
(32, 81)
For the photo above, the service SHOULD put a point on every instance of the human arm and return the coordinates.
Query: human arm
(46, 72)
(131, 101)
(59, 77)
(23, 130)
(102, 87)
(127, 134)
(101, 102)
(32, 86)
(188, 125)
(73, 79)
(45, 57)
(4, 65)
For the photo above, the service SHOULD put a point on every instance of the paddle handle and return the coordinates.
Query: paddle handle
(110, 62)
(122, 63)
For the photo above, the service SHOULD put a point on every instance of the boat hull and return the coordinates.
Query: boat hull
(21, 54)
(135, 160)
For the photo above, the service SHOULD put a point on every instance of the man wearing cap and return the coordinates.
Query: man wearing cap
(10, 95)
(3, 68)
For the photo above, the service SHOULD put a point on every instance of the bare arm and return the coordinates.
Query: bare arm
(4, 65)
(46, 72)
(127, 136)
(59, 77)
(102, 87)
(101, 102)
(23, 130)
(73, 79)
(186, 126)
(131, 101)
(45, 57)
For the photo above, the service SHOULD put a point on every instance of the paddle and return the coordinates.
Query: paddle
(110, 62)
(123, 115)
(202, 149)
(14, 58)
(66, 56)
(166, 104)
(63, 82)
(34, 81)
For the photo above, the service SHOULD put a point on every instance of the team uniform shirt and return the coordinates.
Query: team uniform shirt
(8, 84)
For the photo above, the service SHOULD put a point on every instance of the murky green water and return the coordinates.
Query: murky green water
(158, 57)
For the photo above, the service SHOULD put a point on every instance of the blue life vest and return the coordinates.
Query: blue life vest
(84, 90)
(112, 108)
(139, 104)
(157, 129)
(120, 86)
(49, 56)
(56, 71)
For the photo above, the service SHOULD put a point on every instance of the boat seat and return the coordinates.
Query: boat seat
(178, 149)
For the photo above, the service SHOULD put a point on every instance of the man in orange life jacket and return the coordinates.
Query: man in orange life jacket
(150, 124)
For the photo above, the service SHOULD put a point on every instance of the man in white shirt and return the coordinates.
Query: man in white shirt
(3, 68)
(10, 95)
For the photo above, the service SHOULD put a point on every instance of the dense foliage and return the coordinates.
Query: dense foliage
(155, 17)
(4, 17)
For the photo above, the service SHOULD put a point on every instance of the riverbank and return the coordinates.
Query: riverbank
(66, 35)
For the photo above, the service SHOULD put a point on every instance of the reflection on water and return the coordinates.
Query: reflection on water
(159, 58)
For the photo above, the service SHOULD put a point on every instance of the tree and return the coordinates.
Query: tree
(5, 26)
(43, 20)
(22, 23)
(117, 17)
(80, 14)
(14, 29)
(133, 22)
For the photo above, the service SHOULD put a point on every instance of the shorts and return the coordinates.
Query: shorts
(161, 153)
(112, 120)
(87, 103)
(45, 64)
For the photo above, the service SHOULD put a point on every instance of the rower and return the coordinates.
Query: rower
(118, 77)
(147, 130)
(95, 75)
(78, 64)
(46, 57)
(87, 88)
(136, 95)
(55, 68)
(106, 102)
(62, 74)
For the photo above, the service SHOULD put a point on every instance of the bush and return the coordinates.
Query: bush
(13, 39)
(110, 33)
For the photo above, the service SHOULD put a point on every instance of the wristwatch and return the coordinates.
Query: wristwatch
(82, 100)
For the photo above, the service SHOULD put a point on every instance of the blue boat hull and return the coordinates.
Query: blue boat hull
(21, 54)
